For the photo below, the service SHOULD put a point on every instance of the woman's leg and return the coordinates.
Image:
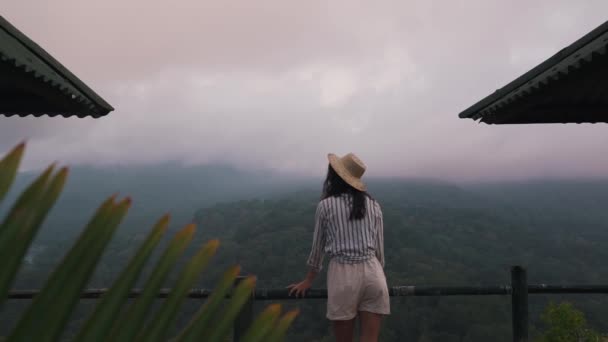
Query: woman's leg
(375, 301)
(343, 288)
(344, 330)
(370, 326)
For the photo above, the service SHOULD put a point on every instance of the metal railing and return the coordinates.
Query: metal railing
(518, 290)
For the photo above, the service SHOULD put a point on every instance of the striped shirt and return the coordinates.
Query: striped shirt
(349, 241)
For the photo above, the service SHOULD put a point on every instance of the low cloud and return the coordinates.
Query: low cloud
(278, 85)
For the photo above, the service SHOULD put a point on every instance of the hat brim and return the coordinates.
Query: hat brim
(336, 164)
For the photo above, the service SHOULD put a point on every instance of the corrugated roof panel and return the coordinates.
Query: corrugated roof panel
(35, 64)
(565, 66)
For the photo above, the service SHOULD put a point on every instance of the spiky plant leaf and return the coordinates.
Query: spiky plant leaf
(262, 324)
(22, 223)
(201, 321)
(158, 327)
(222, 324)
(280, 330)
(8, 168)
(20, 212)
(99, 324)
(50, 310)
(130, 323)
(38, 210)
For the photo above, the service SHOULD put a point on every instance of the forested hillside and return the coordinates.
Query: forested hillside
(435, 234)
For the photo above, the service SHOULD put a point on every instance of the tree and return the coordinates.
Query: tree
(566, 324)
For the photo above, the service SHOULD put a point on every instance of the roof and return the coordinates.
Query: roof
(569, 87)
(32, 82)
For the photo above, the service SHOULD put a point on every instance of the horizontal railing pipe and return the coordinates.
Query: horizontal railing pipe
(548, 289)
(518, 290)
(395, 291)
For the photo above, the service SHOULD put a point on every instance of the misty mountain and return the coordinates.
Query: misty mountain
(182, 190)
(579, 202)
(155, 190)
(437, 233)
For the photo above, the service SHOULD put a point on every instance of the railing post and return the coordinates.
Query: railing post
(519, 303)
(245, 316)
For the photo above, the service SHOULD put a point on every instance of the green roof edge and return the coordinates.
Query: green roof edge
(536, 71)
(56, 66)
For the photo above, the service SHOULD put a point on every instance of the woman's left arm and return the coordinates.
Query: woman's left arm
(380, 236)
(315, 259)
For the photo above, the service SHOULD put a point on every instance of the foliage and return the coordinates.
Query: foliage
(113, 318)
(566, 324)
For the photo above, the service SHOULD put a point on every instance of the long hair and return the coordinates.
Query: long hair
(335, 186)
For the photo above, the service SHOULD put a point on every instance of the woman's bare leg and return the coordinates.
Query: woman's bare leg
(370, 326)
(344, 330)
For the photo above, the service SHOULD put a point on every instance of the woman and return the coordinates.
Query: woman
(349, 230)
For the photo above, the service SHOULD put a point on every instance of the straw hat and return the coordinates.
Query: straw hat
(349, 168)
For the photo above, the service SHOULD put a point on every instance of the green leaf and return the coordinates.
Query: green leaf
(222, 325)
(8, 168)
(31, 225)
(280, 330)
(201, 321)
(51, 308)
(22, 223)
(263, 324)
(159, 326)
(48, 199)
(130, 323)
(99, 324)
(21, 210)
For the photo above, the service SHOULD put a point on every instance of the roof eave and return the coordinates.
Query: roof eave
(575, 54)
(100, 106)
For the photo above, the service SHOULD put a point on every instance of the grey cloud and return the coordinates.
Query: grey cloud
(279, 84)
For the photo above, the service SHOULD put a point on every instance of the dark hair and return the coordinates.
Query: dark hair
(335, 186)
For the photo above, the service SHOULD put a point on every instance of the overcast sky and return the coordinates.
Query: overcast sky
(279, 84)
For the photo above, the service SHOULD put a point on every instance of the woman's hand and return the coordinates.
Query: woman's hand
(299, 288)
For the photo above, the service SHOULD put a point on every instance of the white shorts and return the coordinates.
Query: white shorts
(356, 287)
